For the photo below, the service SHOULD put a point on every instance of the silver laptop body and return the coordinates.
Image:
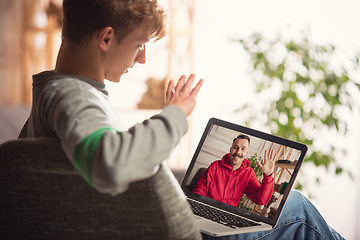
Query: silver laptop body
(214, 144)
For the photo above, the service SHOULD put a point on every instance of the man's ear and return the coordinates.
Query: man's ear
(106, 35)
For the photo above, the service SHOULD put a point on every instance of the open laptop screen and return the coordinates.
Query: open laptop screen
(216, 142)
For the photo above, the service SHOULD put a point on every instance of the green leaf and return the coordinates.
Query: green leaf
(311, 77)
(338, 170)
(298, 186)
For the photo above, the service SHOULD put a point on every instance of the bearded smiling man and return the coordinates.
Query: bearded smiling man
(228, 179)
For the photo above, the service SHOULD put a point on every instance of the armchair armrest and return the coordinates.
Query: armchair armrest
(43, 196)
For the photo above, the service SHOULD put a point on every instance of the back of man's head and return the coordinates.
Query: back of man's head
(82, 18)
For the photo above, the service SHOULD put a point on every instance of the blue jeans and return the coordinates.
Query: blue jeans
(299, 220)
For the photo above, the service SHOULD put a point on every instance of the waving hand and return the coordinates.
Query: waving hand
(269, 162)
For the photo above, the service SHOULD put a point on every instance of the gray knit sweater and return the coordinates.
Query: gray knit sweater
(76, 110)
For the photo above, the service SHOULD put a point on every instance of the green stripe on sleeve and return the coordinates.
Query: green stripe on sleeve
(85, 151)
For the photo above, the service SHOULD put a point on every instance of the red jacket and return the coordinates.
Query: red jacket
(222, 183)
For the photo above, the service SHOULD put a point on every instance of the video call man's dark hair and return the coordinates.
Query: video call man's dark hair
(242, 136)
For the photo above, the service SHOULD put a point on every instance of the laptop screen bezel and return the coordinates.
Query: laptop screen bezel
(255, 133)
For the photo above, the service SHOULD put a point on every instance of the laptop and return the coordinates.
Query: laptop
(216, 218)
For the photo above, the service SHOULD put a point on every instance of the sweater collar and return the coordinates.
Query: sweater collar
(50, 75)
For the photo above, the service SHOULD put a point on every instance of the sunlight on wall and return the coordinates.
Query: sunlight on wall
(224, 66)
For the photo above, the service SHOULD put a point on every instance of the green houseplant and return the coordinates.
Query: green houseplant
(305, 94)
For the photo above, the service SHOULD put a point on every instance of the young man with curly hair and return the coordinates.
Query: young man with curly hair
(103, 39)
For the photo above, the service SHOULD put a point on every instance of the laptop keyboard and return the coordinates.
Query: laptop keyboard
(219, 216)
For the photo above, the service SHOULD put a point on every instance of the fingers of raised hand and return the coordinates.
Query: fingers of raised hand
(274, 159)
(269, 155)
(184, 87)
(183, 94)
(266, 156)
(196, 89)
(170, 90)
(187, 89)
(180, 85)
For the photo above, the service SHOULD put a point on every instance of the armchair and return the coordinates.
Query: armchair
(44, 197)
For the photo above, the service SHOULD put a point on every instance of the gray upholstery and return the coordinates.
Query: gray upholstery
(44, 197)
